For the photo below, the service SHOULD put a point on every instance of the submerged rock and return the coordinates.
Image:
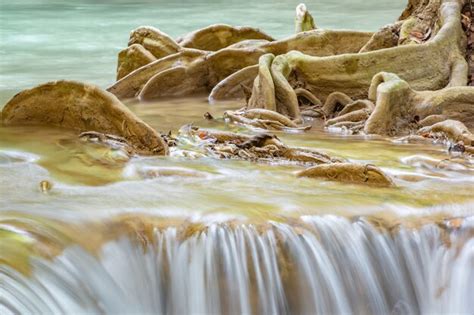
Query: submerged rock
(350, 173)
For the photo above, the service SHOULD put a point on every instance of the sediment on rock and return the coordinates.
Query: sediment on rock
(82, 107)
(350, 173)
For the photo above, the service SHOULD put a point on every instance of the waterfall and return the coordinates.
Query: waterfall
(322, 265)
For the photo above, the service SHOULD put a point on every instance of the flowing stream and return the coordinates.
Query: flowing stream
(86, 230)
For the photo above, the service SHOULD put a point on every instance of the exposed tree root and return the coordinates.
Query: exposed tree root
(132, 58)
(264, 119)
(414, 70)
(426, 48)
(260, 148)
(218, 36)
(386, 37)
(218, 52)
(350, 173)
(400, 109)
(306, 97)
(451, 130)
(468, 24)
(154, 40)
(421, 24)
(431, 65)
(82, 107)
(235, 86)
(130, 85)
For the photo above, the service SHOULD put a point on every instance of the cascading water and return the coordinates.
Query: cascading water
(321, 265)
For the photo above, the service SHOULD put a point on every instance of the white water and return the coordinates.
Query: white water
(328, 265)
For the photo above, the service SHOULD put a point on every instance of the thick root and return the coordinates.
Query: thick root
(420, 26)
(468, 24)
(174, 82)
(263, 94)
(355, 116)
(335, 102)
(131, 85)
(260, 148)
(235, 85)
(349, 173)
(399, 108)
(217, 66)
(264, 119)
(453, 130)
(218, 36)
(306, 96)
(430, 66)
(82, 107)
(386, 37)
(132, 58)
(154, 40)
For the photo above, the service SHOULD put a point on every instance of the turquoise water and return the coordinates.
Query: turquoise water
(46, 40)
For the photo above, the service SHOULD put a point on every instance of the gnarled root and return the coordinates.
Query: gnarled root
(452, 130)
(349, 173)
(82, 107)
(433, 65)
(340, 111)
(261, 148)
(201, 68)
(264, 119)
(352, 116)
(399, 109)
(420, 25)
